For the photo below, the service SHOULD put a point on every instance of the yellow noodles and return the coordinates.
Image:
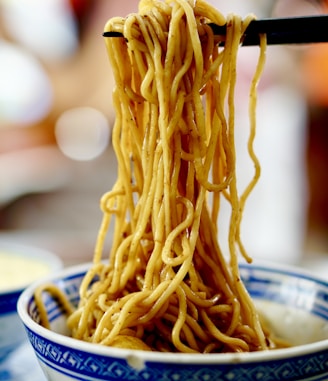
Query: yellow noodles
(166, 282)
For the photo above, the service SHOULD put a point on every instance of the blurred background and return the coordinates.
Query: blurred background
(56, 116)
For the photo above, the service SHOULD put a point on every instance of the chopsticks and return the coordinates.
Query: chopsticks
(279, 31)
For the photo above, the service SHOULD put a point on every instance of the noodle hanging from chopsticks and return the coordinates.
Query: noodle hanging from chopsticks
(167, 285)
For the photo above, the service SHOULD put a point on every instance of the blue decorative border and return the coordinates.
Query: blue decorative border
(8, 301)
(85, 366)
(262, 283)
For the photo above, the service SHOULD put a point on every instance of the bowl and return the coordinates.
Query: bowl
(296, 304)
(20, 265)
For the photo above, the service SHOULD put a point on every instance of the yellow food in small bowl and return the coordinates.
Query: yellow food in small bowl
(20, 265)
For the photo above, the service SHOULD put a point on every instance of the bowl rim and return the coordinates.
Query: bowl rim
(163, 357)
(29, 251)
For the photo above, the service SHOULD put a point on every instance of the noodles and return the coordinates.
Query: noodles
(167, 285)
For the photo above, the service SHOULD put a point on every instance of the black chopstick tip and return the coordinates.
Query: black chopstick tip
(292, 30)
(112, 34)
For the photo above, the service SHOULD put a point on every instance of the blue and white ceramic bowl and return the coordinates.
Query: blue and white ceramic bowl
(294, 302)
(25, 259)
